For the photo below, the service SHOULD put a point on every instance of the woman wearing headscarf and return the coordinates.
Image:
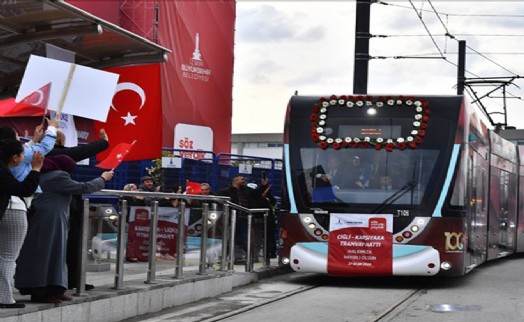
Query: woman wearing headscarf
(41, 267)
(13, 218)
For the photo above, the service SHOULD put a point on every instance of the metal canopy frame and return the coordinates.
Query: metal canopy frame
(26, 26)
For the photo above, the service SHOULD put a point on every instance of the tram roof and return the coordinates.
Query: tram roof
(27, 26)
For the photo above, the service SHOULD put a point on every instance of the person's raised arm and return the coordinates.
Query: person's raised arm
(48, 141)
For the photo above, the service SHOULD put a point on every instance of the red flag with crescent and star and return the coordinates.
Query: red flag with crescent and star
(193, 188)
(136, 112)
(33, 104)
(116, 156)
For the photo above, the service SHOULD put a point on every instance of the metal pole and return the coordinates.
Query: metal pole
(81, 286)
(362, 36)
(214, 257)
(203, 239)
(180, 240)
(264, 249)
(225, 228)
(232, 240)
(461, 67)
(249, 262)
(151, 273)
(119, 269)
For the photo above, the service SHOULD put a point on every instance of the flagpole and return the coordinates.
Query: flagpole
(66, 89)
(45, 112)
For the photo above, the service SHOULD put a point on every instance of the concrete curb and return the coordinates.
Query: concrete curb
(137, 298)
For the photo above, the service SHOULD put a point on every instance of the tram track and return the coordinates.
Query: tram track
(392, 311)
(269, 296)
(262, 303)
(386, 315)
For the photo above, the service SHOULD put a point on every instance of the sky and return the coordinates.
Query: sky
(287, 46)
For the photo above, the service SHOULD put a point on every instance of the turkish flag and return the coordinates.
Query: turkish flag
(193, 188)
(136, 112)
(33, 105)
(116, 156)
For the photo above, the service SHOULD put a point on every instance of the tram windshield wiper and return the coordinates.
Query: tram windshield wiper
(391, 199)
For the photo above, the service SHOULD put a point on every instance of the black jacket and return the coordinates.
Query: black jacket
(251, 195)
(81, 152)
(9, 186)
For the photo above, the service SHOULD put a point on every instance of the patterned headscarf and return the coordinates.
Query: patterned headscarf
(59, 162)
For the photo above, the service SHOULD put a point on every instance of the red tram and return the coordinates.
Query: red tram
(397, 185)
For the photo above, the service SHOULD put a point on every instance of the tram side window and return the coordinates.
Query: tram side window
(458, 196)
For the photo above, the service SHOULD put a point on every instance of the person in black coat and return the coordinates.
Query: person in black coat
(13, 217)
(244, 196)
(74, 241)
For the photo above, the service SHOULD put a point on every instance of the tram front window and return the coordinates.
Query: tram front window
(367, 176)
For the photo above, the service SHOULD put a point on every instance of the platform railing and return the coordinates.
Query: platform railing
(228, 234)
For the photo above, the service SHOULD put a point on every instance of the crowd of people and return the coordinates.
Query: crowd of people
(41, 212)
(239, 191)
(37, 198)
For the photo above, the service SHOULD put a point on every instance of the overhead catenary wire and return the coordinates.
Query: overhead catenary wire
(447, 34)
(470, 48)
(473, 51)
(427, 29)
(489, 15)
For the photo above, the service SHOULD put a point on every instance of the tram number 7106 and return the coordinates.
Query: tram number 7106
(402, 213)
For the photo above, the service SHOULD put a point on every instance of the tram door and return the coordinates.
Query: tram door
(520, 219)
(502, 208)
(477, 207)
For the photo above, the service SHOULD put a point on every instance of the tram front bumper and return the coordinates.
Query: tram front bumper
(412, 260)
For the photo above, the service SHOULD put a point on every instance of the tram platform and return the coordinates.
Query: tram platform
(136, 296)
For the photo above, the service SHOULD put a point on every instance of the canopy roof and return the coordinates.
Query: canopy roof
(26, 26)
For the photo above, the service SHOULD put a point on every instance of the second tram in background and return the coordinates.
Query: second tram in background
(397, 185)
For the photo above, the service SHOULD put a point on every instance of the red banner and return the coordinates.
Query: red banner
(360, 245)
(197, 80)
(167, 231)
(135, 112)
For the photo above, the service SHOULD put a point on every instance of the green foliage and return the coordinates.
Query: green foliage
(156, 170)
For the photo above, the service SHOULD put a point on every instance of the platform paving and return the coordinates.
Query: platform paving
(136, 297)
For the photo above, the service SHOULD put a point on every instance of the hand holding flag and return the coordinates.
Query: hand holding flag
(116, 156)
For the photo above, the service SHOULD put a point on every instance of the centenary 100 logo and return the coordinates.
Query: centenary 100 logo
(454, 242)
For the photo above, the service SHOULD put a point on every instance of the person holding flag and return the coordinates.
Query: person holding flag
(41, 267)
(77, 153)
(44, 146)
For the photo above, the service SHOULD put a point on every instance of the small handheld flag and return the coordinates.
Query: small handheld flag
(193, 188)
(116, 156)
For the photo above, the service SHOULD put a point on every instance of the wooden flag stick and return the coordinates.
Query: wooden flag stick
(66, 89)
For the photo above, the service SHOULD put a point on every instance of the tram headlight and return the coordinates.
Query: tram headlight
(285, 260)
(414, 229)
(307, 220)
(446, 266)
(312, 226)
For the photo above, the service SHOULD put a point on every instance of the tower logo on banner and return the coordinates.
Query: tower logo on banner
(196, 68)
